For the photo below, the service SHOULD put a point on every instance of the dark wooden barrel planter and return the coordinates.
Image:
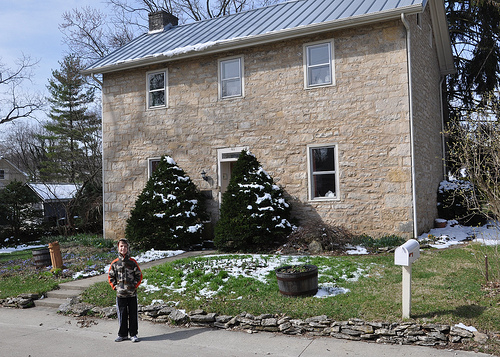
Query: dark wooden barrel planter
(298, 280)
(41, 257)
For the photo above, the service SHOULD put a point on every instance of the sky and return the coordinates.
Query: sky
(31, 27)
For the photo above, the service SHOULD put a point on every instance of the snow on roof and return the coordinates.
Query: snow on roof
(272, 23)
(54, 191)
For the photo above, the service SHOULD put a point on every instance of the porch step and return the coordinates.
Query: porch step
(63, 293)
(50, 302)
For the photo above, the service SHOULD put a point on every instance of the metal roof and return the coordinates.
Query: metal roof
(54, 191)
(262, 25)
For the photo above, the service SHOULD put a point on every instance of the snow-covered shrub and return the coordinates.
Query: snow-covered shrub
(168, 213)
(254, 212)
(455, 198)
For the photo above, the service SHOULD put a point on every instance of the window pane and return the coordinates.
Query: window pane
(231, 88)
(324, 186)
(319, 54)
(230, 69)
(323, 159)
(319, 75)
(154, 165)
(157, 81)
(157, 98)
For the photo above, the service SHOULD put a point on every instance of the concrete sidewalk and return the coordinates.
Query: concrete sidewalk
(41, 332)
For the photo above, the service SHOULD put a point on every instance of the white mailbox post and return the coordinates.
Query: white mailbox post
(405, 255)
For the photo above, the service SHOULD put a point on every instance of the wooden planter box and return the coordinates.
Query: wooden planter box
(298, 280)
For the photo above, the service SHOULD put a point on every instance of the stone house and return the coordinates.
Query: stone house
(9, 172)
(339, 100)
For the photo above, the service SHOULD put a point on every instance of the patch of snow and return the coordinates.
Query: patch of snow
(21, 247)
(358, 250)
(468, 328)
(454, 234)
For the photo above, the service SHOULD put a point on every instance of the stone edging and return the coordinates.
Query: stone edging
(353, 329)
(407, 333)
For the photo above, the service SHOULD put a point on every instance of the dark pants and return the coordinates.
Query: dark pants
(126, 308)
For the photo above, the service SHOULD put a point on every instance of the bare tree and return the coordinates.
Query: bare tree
(475, 154)
(14, 102)
(191, 10)
(92, 34)
(27, 148)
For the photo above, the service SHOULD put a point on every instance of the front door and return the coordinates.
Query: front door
(226, 159)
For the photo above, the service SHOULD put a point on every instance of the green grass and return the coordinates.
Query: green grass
(446, 288)
(24, 283)
(82, 252)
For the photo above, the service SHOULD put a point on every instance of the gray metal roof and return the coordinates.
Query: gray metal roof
(267, 24)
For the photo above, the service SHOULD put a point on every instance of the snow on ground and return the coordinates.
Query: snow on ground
(21, 247)
(145, 257)
(454, 233)
(439, 238)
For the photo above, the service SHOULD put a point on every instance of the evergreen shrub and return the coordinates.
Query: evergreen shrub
(168, 214)
(254, 212)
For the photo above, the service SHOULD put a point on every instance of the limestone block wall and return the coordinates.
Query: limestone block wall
(366, 114)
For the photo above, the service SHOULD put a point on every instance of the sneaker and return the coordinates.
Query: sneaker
(134, 339)
(119, 339)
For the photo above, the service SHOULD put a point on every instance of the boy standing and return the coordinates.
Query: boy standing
(125, 276)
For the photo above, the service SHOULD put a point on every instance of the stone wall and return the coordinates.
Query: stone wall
(366, 113)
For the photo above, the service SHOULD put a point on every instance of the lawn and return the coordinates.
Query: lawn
(447, 287)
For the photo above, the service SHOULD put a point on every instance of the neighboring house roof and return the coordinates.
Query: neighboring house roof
(54, 191)
(273, 23)
(14, 167)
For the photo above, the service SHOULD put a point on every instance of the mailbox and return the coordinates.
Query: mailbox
(407, 253)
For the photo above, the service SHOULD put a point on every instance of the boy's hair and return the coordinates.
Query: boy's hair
(124, 242)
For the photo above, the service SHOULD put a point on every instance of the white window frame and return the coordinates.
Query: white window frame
(241, 77)
(165, 89)
(311, 174)
(150, 165)
(331, 64)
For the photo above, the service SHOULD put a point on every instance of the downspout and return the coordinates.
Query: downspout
(102, 161)
(443, 142)
(410, 103)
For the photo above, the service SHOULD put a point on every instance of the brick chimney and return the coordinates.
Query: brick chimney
(160, 20)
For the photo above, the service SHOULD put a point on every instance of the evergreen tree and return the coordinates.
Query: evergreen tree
(74, 130)
(475, 35)
(16, 211)
(168, 214)
(254, 212)
(73, 151)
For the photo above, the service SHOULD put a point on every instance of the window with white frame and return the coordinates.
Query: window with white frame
(153, 165)
(318, 64)
(157, 89)
(323, 177)
(231, 77)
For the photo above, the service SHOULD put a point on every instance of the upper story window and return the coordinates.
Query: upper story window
(2, 174)
(157, 89)
(323, 172)
(231, 78)
(318, 64)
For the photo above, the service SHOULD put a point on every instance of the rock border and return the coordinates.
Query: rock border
(402, 333)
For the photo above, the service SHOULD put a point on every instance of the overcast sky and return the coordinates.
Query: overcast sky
(30, 27)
